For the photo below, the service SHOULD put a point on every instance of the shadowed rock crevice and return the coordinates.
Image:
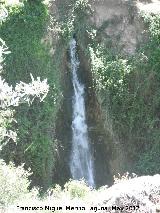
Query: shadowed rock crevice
(100, 139)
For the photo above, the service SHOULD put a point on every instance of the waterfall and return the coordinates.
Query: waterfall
(81, 163)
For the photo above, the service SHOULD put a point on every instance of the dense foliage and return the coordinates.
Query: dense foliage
(23, 31)
(129, 88)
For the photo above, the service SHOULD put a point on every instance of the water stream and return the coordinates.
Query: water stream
(81, 163)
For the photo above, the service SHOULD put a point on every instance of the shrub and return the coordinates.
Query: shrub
(14, 183)
(76, 189)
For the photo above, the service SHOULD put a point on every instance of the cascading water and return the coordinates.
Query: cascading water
(81, 164)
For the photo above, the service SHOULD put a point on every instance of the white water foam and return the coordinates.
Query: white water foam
(81, 163)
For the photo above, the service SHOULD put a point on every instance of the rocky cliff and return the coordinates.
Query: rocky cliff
(120, 23)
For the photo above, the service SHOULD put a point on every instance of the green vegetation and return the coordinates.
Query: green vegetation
(126, 86)
(14, 190)
(23, 31)
(75, 196)
(74, 20)
(149, 159)
(15, 186)
(129, 88)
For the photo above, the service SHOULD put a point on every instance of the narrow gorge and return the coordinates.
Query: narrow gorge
(109, 35)
(82, 138)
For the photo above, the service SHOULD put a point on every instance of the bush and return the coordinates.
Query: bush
(76, 189)
(128, 87)
(14, 183)
(23, 31)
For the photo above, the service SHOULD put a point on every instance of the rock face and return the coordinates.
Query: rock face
(141, 194)
(151, 7)
(120, 21)
(97, 132)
